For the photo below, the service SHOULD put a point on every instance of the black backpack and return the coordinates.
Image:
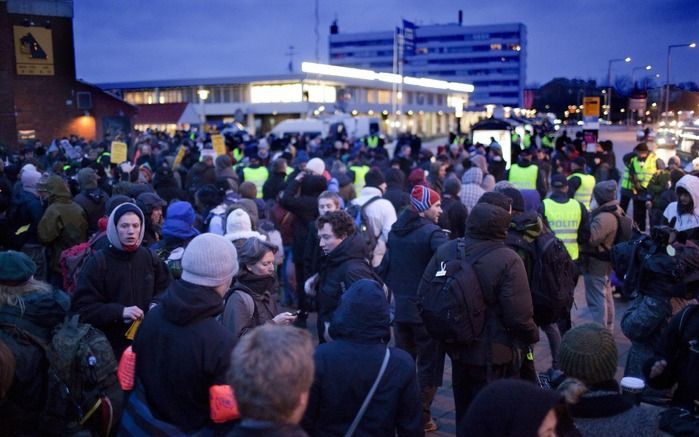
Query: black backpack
(364, 228)
(82, 391)
(451, 304)
(554, 277)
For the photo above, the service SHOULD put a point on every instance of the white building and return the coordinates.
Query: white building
(491, 57)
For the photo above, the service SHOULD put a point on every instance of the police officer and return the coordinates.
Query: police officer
(526, 175)
(254, 172)
(638, 174)
(568, 218)
(580, 184)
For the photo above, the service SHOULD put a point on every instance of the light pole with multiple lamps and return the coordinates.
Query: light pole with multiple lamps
(667, 79)
(609, 85)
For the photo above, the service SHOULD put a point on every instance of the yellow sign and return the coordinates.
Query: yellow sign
(33, 51)
(179, 157)
(219, 144)
(118, 152)
(591, 107)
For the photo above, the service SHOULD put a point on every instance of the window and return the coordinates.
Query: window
(495, 46)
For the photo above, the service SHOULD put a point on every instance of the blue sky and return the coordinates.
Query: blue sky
(123, 40)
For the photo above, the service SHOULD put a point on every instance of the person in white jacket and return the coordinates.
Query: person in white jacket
(380, 212)
(683, 215)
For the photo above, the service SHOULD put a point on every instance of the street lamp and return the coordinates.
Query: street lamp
(609, 84)
(633, 73)
(203, 95)
(667, 79)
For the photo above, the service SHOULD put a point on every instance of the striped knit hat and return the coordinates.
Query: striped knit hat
(589, 353)
(422, 198)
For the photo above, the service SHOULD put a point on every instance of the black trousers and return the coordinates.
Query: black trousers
(639, 213)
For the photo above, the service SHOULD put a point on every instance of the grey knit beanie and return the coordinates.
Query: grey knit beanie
(604, 192)
(209, 260)
(588, 353)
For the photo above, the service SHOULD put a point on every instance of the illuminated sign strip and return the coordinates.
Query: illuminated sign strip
(357, 73)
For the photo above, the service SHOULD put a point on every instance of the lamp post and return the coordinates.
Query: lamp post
(667, 79)
(609, 84)
(633, 73)
(203, 95)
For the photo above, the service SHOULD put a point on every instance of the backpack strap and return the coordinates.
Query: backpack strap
(367, 399)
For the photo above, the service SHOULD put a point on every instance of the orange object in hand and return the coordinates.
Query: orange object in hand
(222, 404)
(127, 369)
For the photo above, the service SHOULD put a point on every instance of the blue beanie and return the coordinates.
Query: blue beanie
(179, 219)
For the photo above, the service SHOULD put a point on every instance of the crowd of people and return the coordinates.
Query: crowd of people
(196, 278)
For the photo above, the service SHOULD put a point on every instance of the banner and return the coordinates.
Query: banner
(219, 144)
(118, 152)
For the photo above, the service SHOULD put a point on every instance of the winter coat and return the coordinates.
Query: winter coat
(22, 409)
(274, 185)
(338, 270)
(395, 190)
(604, 412)
(381, 216)
(412, 242)
(26, 209)
(361, 329)
(453, 217)
(181, 351)
(688, 221)
(63, 224)
(259, 428)
(113, 279)
(312, 253)
(304, 207)
(503, 281)
(236, 315)
(603, 229)
(93, 202)
(471, 189)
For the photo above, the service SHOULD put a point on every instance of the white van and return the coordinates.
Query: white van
(335, 125)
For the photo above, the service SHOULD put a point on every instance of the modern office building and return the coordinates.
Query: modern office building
(491, 57)
(260, 102)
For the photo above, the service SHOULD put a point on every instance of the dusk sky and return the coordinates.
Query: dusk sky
(128, 40)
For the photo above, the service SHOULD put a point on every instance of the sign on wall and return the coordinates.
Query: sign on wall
(33, 51)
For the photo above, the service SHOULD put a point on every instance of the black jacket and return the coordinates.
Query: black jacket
(340, 269)
(504, 284)
(181, 351)
(259, 428)
(93, 202)
(274, 185)
(411, 243)
(301, 199)
(347, 367)
(454, 215)
(113, 279)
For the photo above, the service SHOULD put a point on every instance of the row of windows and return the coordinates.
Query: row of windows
(442, 38)
(459, 61)
(474, 72)
(217, 94)
(469, 49)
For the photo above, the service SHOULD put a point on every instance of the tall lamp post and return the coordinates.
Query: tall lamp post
(609, 84)
(633, 73)
(203, 95)
(667, 79)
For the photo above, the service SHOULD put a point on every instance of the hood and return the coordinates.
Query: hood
(42, 308)
(480, 162)
(408, 221)
(528, 224)
(113, 234)
(57, 189)
(353, 247)
(179, 221)
(487, 222)
(313, 185)
(185, 303)
(395, 178)
(691, 184)
(473, 175)
(363, 314)
(148, 202)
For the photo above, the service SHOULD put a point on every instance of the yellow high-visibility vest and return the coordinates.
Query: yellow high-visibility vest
(523, 178)
(564, 220)
(584, 191)
(372, 141)
(257, 176)
(359, 172)
(644, 171)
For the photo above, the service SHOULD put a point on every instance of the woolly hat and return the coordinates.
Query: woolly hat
(179, 221)
(374, 178)
(119, 211)
(15, 268)
(604, 192)
(115, 201)
(87, 178)
(422, 198)
(209, 260)
(30, 181)
(497, 199)
(588, 353)
(316, 166)
(517, 198)
(239, 226)
(501, 185)
(559, 181)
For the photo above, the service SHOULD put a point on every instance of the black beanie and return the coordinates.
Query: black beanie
(125, 208)
(497, 199)
(517, 198)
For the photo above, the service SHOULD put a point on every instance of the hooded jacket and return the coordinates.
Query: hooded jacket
(503, 281)
(412, 242)
(685, 222)
(26, 209)
(113, 279)
(63, 224)
(93, 202)
(181, 351)
(338, 271)
(361, 330)
(471, 189)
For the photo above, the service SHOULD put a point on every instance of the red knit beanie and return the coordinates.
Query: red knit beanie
(422, 198)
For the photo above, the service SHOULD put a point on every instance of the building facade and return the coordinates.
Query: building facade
(491, 57)
(40, 97)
